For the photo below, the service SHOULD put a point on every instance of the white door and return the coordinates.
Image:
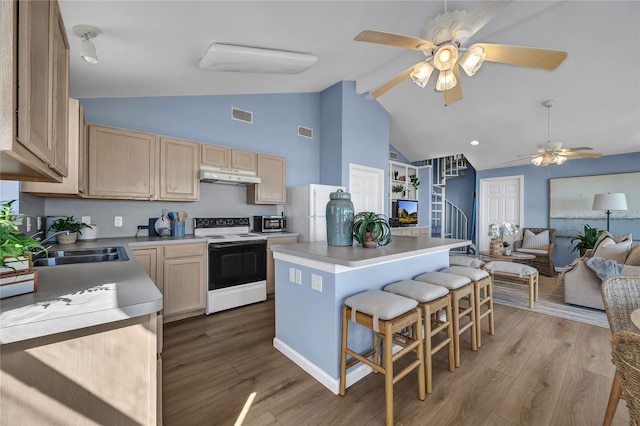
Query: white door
(366, 186)
(500, 200)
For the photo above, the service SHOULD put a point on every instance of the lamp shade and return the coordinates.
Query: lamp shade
(88, 51)
(616, 201)
(421, 73)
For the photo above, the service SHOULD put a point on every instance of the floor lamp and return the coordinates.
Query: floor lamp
(609, 202)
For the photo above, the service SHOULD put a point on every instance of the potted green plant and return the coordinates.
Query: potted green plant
(507, 248)
(585, 241)
(72, 228)
(415, 182)
(397, 188)
(15, 246)
(371, 229)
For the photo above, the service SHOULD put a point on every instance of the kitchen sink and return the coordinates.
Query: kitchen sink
(68, 257)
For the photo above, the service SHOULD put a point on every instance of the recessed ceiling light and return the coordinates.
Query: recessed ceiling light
(475, 142)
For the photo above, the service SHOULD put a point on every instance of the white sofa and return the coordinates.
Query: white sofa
(582, 285)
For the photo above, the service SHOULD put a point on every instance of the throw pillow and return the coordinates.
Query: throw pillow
(607, 237)
(604, 268)
(633, 257)
(609, 249)
(536, 241)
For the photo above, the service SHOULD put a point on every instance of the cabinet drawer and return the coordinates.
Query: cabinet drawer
(171, 251)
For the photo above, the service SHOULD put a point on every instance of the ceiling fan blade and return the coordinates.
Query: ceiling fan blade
(580, 154)
(529, 155)
(477, 18)
(524, 56)
(408, 42)
(455, 93)
(579, 148)
(392, 83)
(514, 161)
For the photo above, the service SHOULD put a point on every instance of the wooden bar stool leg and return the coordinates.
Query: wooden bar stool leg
(388, 372)
(532, 291)
(343, 352)
(537, 281)
(476, 297)
(427, 346)
(489, 289)
(455, 310)
(451, 333)
(474, 324)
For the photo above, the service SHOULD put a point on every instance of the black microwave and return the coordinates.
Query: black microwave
(269, 223)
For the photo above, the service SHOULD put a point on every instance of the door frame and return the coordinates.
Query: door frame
(482, 201)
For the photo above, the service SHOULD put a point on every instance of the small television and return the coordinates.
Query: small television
(406, 212)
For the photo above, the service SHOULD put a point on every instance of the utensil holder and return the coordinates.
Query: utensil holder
(177, 229)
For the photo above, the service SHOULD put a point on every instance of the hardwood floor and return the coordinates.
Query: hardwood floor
(536, 370)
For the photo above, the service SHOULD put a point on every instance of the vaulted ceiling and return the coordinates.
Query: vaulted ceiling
(152, 48)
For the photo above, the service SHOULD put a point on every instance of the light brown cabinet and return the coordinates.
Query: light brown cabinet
(222, 156)
(74, 184)
(179, 275)
(34, 84)
(84, 376)
(271, 279)
(412, 231)
(272, 190)
(179, 168)
(122, 164)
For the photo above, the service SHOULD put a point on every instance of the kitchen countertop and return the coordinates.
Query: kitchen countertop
(353, 256)
(71, 297)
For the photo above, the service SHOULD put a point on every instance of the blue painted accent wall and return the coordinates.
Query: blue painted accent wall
(536, 189)
(401, 158)
(208, 119)
(331, 129)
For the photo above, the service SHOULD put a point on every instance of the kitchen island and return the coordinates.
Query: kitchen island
(85, 348)
(312, 282)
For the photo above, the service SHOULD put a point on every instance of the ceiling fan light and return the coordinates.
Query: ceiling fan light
(560, 159)
(446, 81)
(445, 57)
(421, 73)
(472, 60)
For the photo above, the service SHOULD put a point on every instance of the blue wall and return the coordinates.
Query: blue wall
(536, 189)
(331, 129)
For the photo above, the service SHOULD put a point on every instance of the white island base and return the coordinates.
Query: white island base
(308, 313)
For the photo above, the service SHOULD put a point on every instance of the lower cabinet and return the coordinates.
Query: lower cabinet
(412, 231)
(179, 271)
(80, 376)
(271, 279)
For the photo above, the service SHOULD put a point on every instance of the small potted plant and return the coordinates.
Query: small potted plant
(16, 250)
(72, 228)
(507, 248)
(397, 189)
(415, 182)
(583, 242)
(371, 229)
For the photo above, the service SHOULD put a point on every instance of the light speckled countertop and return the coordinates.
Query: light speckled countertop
(71, 297)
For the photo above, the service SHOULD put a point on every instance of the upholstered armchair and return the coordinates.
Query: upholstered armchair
(539, 242)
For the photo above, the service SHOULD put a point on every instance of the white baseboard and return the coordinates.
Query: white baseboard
(329, 382)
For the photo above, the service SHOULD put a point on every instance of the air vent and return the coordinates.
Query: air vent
(242, 115)
(305, 132)
(393, 155)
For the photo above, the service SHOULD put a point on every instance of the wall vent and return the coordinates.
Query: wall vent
(305, 132)
(241, 115)
(393, 155)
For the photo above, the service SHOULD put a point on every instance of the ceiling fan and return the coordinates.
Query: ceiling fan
(552, 152)
(444, 45)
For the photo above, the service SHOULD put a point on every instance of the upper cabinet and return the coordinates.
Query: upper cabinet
(179, 169)
(34, 84)
(272, 190)
(75, 182)
(222, 156)
(122, 163)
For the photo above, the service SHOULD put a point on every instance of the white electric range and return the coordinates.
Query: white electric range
(237, 262)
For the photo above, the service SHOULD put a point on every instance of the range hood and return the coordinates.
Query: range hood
(228, 176)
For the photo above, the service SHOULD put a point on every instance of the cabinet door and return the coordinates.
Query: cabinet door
(216, 156)
(179, 168)
(243, 160)
(60, 92)
(183, 285)
(272, 190)
(271, 279)
(148, 258)
(122, 163)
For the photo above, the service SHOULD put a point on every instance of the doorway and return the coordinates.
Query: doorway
(500, 200)
(366, 185)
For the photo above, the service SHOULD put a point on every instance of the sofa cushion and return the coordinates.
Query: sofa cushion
(609, 249)
(631, 270)
(633, 256)
(604, 268)
(536, 241)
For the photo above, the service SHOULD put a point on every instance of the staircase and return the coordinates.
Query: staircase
(447, 219)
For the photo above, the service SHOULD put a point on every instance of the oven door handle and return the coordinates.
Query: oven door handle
(219, 245)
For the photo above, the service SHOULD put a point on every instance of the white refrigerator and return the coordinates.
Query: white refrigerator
(305, 211)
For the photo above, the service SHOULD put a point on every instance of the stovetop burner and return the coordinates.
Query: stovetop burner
(224, 229)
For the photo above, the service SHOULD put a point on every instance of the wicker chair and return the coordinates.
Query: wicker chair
(621, 296)
(543, 261)
(625, 353)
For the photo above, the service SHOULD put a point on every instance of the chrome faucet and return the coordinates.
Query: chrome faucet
(49, 238)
